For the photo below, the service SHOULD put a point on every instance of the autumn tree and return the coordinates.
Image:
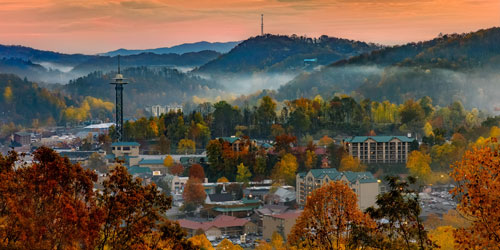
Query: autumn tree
(132, 212)
(186, 146)
(168, 161)
(310, 159)
(244, 174)
(163, 144)
(284, 171)
(177, 169)
(283, 143)
(398, 216)
(222, 180)
(478, 190)
(226, 244)
(419, 165)
(49, 204)
(194, 194)
(325, 141)
(201, 241)
(443, 237)
(330, 214)
(196, 171)
(349, 163)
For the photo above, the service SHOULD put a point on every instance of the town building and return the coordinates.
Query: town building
(22, 138)
(379, 149)
(222, 225)
(158, 110)
(281, 223)
(363, 184)
(127, 152)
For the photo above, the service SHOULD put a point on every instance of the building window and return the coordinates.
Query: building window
(126, 148)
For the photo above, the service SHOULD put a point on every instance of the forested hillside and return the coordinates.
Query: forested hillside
(223, 47)
(451, 67)
(25, 103)
(146, 86)
(275, 53)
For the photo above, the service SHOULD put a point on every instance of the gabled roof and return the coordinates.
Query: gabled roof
(358, 139)
(321, 172)
(230, 139)
(126, 144)
(333, 174)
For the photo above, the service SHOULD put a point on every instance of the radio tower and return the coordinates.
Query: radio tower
(119, 81)
(261, 24)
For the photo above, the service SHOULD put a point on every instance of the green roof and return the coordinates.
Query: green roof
(249, 201)
(229, 139)
(320, 173)
(151, 162)
(139, 170)
(133, 143)
(358, 139)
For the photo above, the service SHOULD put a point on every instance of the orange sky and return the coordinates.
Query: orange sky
(92, 26)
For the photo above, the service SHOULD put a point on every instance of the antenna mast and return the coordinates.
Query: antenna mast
(261, 24)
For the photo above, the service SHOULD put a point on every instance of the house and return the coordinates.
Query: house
(363, 184)
(281, 223)
(221, 225)
(267, 209)
(282, 196)
(379, 149)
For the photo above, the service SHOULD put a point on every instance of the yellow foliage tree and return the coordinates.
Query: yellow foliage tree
(186, 146)
(443, 237)
(168, 161)
(228, 245)
(428, 129)
(349, 163)
(263, 246)
(419, 165)
(310, 159)
(285, 170)
(243, 174)
(7, 94)
(222, 180)
(201, 241)
(277, 242)
(495, 132)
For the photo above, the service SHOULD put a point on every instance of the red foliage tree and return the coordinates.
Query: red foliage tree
(196, 171)
(177, 169)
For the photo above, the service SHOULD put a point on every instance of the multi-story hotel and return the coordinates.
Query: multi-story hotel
(362, 183)
(379, 149)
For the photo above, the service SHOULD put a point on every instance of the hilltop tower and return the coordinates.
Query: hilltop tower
(119, 81)
(261, 24)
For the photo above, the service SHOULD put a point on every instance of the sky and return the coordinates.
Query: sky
(95, 26)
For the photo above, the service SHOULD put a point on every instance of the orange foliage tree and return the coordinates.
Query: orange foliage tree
(194, 194)
(329, 217)
(47, 205)
(196, 171)
(50, 204)
(478, 191)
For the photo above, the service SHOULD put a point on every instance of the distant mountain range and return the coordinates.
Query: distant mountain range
(221, 47)
(463, 67)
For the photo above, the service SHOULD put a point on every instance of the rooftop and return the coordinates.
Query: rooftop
(221, 221)
(358, 139)
(288, 215)
(126, 144)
